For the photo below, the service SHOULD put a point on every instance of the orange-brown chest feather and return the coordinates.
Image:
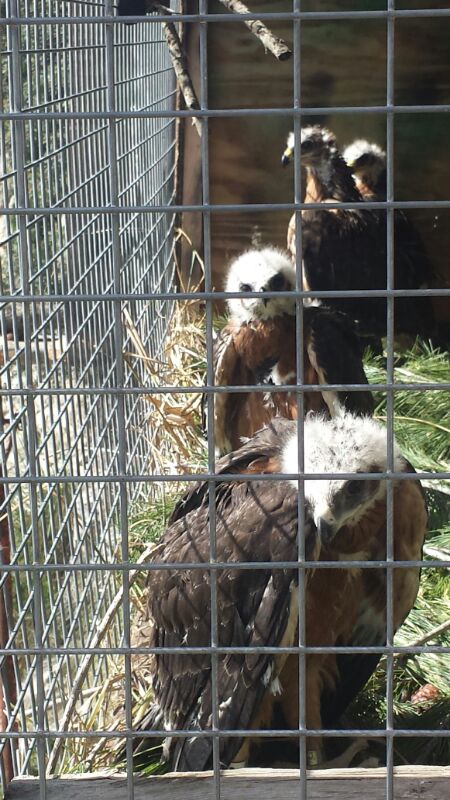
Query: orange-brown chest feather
(262, 345)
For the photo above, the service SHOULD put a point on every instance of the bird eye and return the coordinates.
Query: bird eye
(245, 287)
(354, 487)
(307, 145)
(277, 283)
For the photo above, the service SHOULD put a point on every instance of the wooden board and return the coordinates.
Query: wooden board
(432, 783)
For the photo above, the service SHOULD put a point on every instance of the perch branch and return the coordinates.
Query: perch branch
(277, 46)
(179, 64)
(444, 626)
(435, 552)
(84, 666)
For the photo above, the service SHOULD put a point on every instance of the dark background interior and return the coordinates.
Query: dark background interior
(343, 62)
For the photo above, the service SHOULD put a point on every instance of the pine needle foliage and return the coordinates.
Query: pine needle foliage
(422, 429)
(421, 417)
(147, 523)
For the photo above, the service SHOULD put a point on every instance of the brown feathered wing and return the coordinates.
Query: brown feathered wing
(255, 521)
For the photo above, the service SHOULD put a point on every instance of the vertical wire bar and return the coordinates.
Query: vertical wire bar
(300, 402)
(9, 679)
(390, 400)
(120, 383)
(21, 201)
(206, 216)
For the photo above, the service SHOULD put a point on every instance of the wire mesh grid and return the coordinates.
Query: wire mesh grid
(77, 140)
(71, 345)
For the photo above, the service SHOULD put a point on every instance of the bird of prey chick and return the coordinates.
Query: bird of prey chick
(367, 162)
(258, 346)
(257, 521)
(346, 249)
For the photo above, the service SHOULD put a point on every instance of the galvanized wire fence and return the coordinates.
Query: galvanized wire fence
(68, 347)
(89, 123)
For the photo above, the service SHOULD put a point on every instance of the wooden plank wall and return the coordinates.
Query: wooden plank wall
(343, 62)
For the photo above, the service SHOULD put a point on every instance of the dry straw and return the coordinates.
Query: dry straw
(176, 445)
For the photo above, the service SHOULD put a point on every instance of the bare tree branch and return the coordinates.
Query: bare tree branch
(179, 64)
(444, 626)
(270, 42)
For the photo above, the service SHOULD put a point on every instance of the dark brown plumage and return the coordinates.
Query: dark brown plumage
(257, 521)
(367, 162)
(346, 248)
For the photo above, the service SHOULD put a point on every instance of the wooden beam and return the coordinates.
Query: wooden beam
(253, 784)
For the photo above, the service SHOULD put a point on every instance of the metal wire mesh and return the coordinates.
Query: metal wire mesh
(88, 158)
(72, 344)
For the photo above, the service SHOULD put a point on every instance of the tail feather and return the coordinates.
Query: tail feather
(149, 754)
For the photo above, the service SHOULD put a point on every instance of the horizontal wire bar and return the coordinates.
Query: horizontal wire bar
(202, 477)
(221, 208)
(109, 297)
(216, 390)
(278, 16)
(200, 651)
(149, 566)
(308, 111)
(355, 732)
(225, 733)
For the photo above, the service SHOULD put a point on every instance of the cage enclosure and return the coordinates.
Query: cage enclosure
(124, 198)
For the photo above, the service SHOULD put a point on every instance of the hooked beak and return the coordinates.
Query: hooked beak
(286, 157)
(325, 529)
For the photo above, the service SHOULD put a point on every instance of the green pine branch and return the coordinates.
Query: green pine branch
(422, 429)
